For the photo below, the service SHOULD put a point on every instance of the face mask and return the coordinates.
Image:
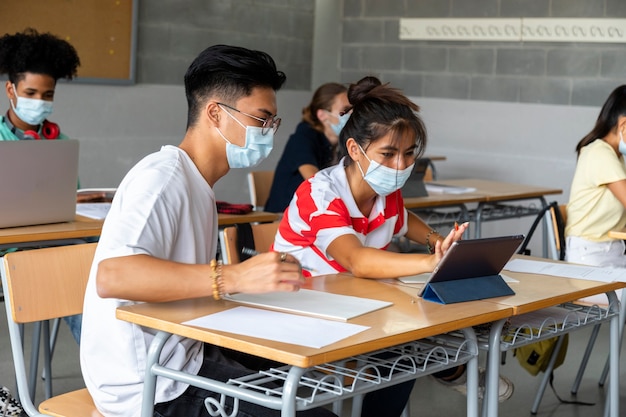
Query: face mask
(382, 179)
(256, 149)
(340, 124)
(622, 145)
(30, 110)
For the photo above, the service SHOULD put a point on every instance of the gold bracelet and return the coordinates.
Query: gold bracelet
(431, 248)
(218, 282)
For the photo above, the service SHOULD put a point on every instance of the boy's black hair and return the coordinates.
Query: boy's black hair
(229, 72)
(30, 51)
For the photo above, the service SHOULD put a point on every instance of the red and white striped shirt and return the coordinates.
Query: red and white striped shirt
(323, 209)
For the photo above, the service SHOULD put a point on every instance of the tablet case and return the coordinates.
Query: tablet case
(468, 289)
(470, 271)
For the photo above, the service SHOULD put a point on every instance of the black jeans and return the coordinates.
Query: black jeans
(191, 402)
(388, 402)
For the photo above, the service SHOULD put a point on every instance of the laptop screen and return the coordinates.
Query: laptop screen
(41, 181)
(414, 186)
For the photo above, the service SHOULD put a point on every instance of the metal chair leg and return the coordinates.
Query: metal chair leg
(585, 359)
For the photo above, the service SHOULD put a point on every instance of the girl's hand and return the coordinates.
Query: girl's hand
(441, 247)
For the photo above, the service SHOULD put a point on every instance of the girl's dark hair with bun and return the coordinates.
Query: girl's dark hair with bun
(377, 110)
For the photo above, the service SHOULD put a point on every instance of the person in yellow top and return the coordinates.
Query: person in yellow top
(597, 202)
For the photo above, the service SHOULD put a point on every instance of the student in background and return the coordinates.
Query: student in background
(597, 202)
(159, 242)
(34, 63)
(343, 218)
(313, 146)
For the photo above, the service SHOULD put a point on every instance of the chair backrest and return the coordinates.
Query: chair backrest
(259, 184)
(263, 237)
(42, 284)
(428, 175)
(558, 219)
(554, 221)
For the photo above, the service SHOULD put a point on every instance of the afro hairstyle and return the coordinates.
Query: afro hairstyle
(30, 51)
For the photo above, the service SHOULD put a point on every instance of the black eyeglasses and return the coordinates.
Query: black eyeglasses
(271, 122)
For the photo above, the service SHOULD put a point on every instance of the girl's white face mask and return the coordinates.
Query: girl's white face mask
(382, 179)
(622, 144)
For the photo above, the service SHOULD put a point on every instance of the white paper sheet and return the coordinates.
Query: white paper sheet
(280, 327)
(96, 211)
(432, 187)
(313, 303)
(591, 273)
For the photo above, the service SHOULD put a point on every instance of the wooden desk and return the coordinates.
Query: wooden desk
(408, 320)
(83, 227)
(488, 196)
(252, 217)
(487, 191)
(80, 228)
(536, 292)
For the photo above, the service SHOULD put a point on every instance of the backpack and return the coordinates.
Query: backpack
(535, 357)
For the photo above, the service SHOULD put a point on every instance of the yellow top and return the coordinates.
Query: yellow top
(593, 210)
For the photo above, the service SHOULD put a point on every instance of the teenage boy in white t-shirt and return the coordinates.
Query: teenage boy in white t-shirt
(160, 238)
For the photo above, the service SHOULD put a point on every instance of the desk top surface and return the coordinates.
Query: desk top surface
(83, 227)
(252, 217)
(537, 291)
(408, 319)
(618, 234)
(486, 191)
(497, 190)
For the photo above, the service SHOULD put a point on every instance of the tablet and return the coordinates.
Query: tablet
(474, 258)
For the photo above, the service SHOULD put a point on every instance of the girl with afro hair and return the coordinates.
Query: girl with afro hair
(33, 62)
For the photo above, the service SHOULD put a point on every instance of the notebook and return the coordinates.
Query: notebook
(470, 270)
(39, 181)
(414, 186)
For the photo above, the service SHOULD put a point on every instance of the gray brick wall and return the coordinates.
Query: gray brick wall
(171, 33)
(532, 72)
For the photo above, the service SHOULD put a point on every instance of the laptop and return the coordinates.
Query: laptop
(414, 186)
(470, 270)
(39, 184)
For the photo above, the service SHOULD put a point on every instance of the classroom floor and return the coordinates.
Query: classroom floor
(429, 399)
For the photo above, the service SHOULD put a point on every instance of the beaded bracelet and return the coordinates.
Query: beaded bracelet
(431, 248)
(216, 275)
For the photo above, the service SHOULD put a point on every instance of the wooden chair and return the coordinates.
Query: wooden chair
(259, 184)
(41, 285)
(263, 236)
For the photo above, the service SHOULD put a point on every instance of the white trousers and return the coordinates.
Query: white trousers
(604, 254)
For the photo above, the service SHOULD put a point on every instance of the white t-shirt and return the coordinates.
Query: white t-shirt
(166, 209)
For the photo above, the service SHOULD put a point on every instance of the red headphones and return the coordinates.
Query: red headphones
(49, 131)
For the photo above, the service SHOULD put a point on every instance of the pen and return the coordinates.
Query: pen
(252, 252)
(456, 226)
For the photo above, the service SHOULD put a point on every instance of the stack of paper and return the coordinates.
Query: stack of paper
(313, 303)
(97, 211)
